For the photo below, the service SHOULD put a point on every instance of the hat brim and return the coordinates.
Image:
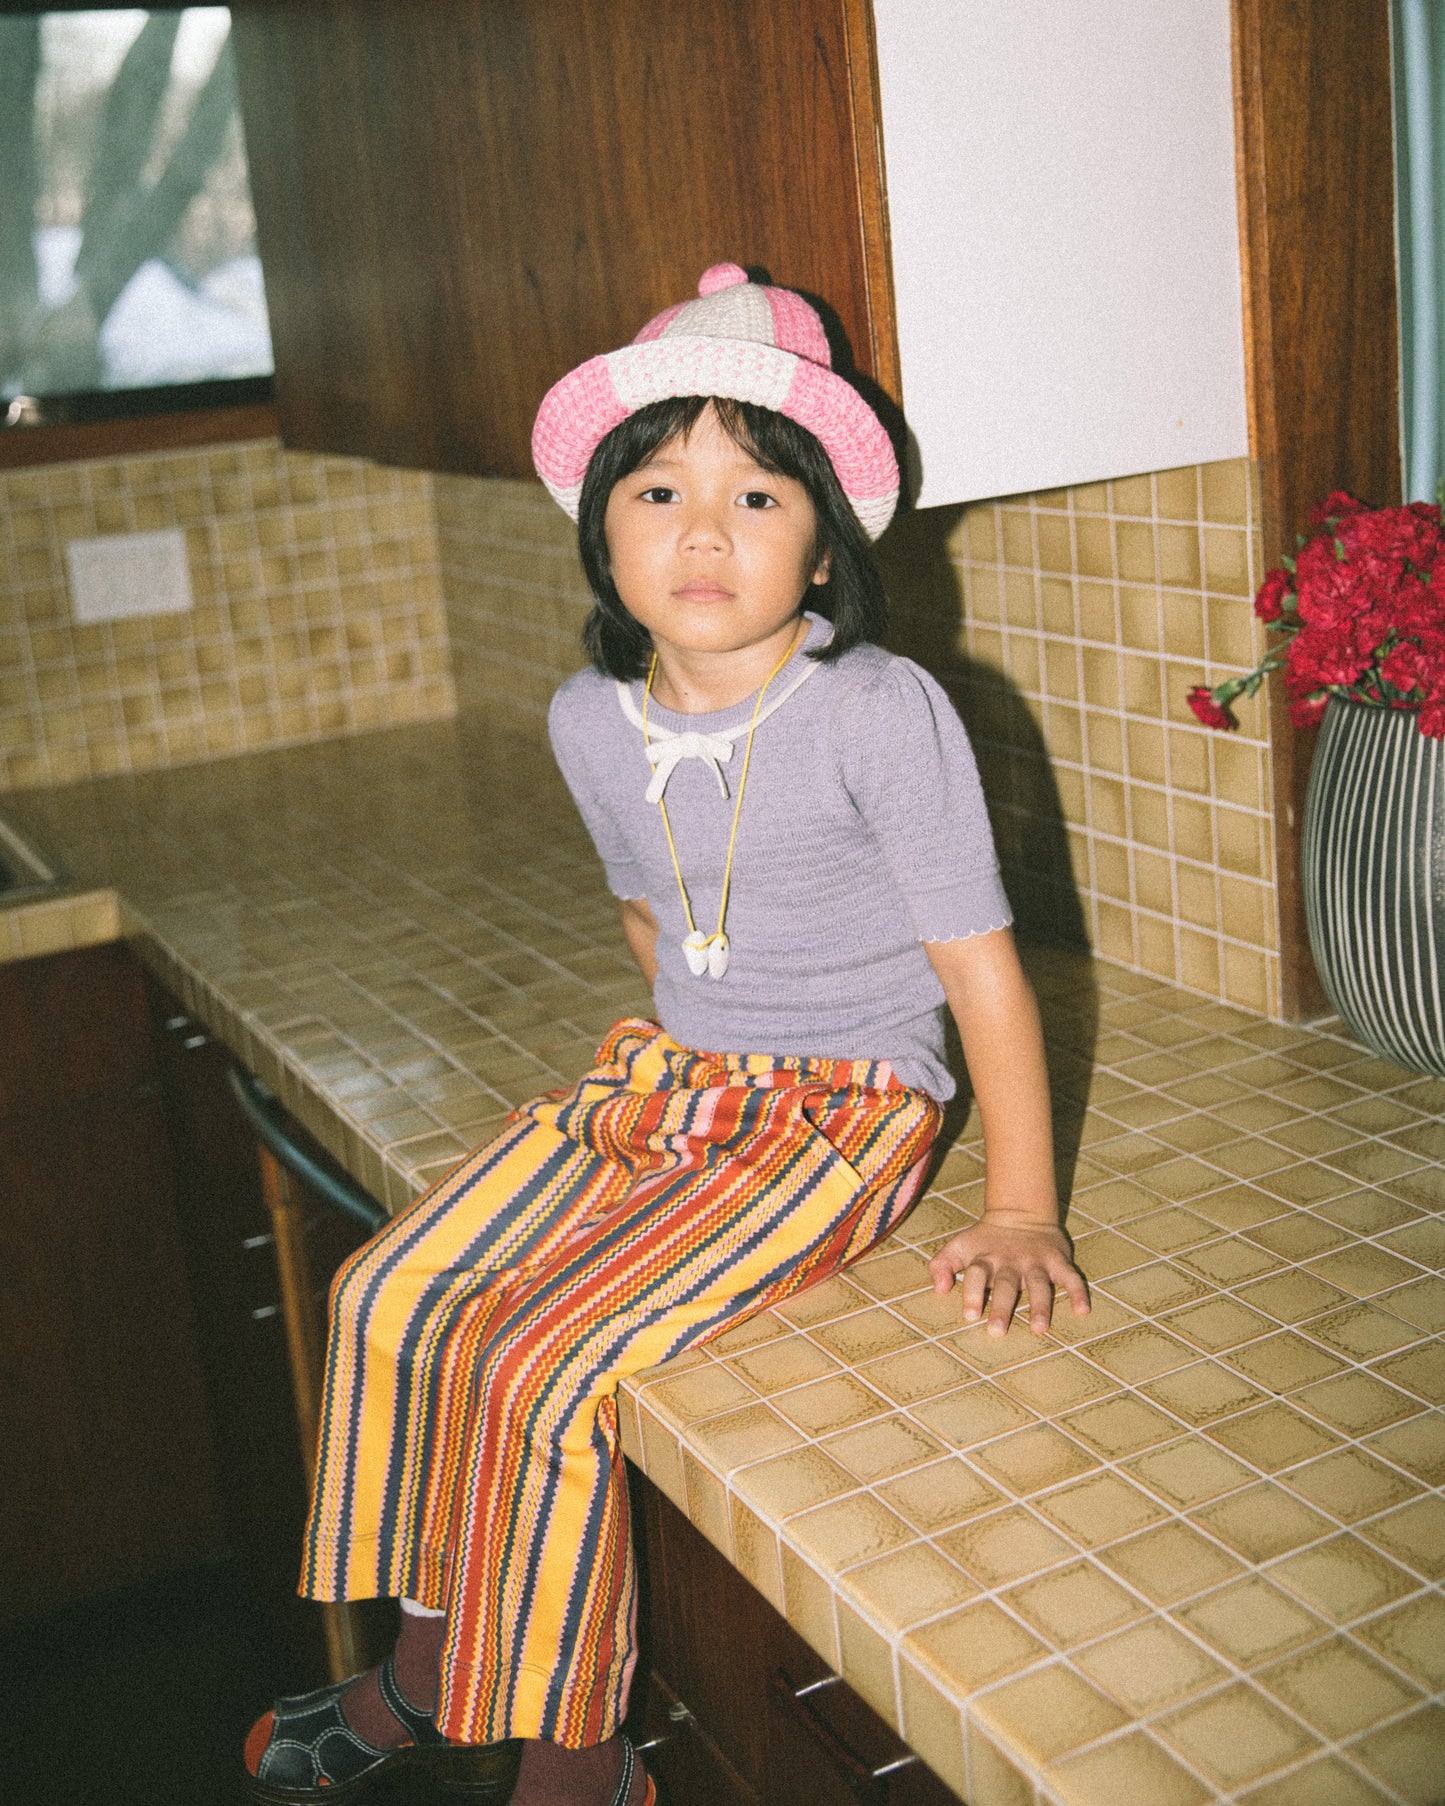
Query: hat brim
(578, 412)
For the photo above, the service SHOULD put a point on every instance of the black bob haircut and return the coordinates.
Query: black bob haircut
(852, 599)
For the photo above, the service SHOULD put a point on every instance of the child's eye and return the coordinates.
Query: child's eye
(658, 492)
(758, 498)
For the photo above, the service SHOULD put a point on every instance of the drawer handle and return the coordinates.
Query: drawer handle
(869, 1784)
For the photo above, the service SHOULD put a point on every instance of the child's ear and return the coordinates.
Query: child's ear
(825, 567)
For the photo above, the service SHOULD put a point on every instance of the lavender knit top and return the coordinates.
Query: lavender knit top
(863, 834)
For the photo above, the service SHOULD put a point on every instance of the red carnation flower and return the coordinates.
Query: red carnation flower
(1335, 506)
(1201, 700)
(1269, 603)
(1432, 718)
(1308, 711)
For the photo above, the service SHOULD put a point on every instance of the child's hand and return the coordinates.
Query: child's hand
(1009, 1258)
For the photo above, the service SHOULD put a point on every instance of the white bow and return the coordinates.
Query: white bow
(665, 755)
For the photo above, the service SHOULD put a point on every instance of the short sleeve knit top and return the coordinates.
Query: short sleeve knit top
(863, 833)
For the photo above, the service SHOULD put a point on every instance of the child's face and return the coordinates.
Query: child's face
(710, 552)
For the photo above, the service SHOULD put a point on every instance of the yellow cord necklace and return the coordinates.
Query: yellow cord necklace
(708, 953)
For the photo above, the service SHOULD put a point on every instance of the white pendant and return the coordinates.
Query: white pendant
(706, 953)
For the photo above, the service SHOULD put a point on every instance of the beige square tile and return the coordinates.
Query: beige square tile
(1418, 1446)
(1357, 1403)
(1099, 1509)
(1217, 1324)
(1291, 1297)
(933, 1725)
(1350, 1484)
(1250, 1620)
(1412, 1636)
(755, 1553)
(829, 1404)
(1005, 1547)
(1046, 1714)
(1274, 1436)
(1325, 1778)
(1203, 1393)
(864, 1336)
(1421, 1370)
(1056, 1383)
(991, 1774)
(1338, 1688)
(1074, 1604)
(1363, 1270)
(1033, 1458)
(867, 1664)
(1132, 1770)
(887, 1446)
(1149, 1666)
(788, 1361)
(915, 1374)
(1363, 1331)
(849, 1530)
(1285, 1362)
(907, 1586)
(1263, 1521)
(808, 1605)
(1236, 1735)
(1170, 1562)
(1140, 1353)
(739, 1437)
(1189, 1472)
(1421, 1302)
(1408, 1756)
(936, 1497)
(1413, 1534)
(704, 1392)
(972, 1414)
(1120, 1425)
(1344, 1578)
(972, 1647)
(786, 1484)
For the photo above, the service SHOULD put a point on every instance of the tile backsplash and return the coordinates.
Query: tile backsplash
(317, 610)
(333, 595)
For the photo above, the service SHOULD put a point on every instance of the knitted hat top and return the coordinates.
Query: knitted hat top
(741, 340)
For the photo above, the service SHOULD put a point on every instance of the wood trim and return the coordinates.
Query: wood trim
(1315, 130)
(861, 41)
(137, 437)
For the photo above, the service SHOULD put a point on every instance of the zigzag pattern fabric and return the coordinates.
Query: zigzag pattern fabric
(469, 1456)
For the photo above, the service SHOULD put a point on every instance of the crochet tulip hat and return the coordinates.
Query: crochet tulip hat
(739, 339)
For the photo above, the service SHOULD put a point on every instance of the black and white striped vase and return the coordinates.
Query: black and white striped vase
(1374, 879)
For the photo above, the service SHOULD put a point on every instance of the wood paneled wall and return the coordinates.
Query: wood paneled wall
(581, 163)
(1317, 200)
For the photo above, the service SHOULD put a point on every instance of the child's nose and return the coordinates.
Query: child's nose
(704, 527)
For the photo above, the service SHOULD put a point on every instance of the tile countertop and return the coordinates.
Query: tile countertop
(1188, 1549)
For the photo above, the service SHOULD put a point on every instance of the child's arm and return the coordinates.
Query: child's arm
(639, 924)
(1018, 1249)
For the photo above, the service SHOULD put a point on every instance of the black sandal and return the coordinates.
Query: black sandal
(312, 1755)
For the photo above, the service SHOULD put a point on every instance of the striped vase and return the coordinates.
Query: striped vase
(1374, 879)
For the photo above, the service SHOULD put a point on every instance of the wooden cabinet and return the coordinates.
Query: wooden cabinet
(458, 200)
(108, 1455)
(745, 1713)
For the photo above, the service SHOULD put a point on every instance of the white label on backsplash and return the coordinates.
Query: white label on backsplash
(123, 574)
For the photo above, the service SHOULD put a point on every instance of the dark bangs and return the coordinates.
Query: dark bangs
(852, 598)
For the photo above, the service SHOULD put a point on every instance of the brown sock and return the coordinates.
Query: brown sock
(418, 1655)
(553, 1776)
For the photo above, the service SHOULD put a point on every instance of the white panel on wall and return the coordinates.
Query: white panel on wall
(1061, 194)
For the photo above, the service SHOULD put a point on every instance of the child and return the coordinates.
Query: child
(792, 821)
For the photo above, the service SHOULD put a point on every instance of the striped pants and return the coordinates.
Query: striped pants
(469, 1456)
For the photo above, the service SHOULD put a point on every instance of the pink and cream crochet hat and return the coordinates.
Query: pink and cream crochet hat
(738, 339)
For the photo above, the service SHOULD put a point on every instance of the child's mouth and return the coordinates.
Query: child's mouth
(699, 591)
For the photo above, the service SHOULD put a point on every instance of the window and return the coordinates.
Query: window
(129, 280)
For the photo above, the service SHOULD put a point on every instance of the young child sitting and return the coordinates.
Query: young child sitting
(792, 822)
